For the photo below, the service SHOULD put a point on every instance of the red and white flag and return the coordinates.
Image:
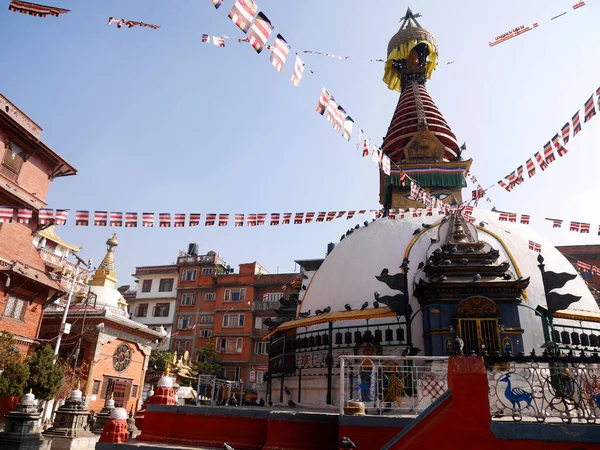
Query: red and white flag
(194, 219)
(530, 168)
(512, 217)
(366, 148)
(279, 53)
(116, 219)
(340, 214)
(548, 153)
(239, 220)
(251, 221)
(585, 228)
(540, 161)
(524, 219)
(6, 214)
(164, 220)
(566, 131)
(210, 220)
(287, 218)
(596, 270)
(386, 165)
(242, 14)
(332, 107)
(61, 216)
(131, 219)
(309, 217)
(223, 220)
(82, 218)
(589, 110)
(206, 38)
(579, 4)
(323, 102)
(505, 186)
(259, 32)
(556, 223)
(558, 146)
(330, 216)
(348, 127)
(575, 226)
(33, 9)
(298, 217)
(298, 71)
(148, 220)
(275, 219)
(584, 267)
(218, 41)
(576, 124)
(321, 217)
(350, 215)
(24, 215)
(535, 247)
(503, 217)
(261, 218)
(179, 220)
(100, 218)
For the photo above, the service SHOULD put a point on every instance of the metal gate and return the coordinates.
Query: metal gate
(479, 335)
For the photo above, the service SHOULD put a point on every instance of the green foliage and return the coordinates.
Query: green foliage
(45, 377)
(206, 363)
(15, 372)
(159, 360)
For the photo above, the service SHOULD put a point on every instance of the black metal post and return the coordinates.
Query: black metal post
(330, 364)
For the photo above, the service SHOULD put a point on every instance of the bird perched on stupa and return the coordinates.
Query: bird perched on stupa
(348, 307)
(364, 306)
(304, 315)
(346, 443)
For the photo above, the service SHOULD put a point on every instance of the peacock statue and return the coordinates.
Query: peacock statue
(515, 395)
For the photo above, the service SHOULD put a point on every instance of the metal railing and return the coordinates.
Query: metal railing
(213, 391)
(261, 305)
(392, 385)
(564, 388)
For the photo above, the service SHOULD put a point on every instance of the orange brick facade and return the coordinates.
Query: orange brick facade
(225, 311)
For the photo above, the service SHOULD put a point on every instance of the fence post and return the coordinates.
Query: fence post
(342, 396)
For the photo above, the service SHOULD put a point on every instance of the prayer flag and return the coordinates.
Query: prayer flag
(217, 3)
(194, 219)
(576, 124)
(360, 136)
(585, 228)
(206, 38)
(100, 218)
(524, 219)
(298, 218)
(259, 32)
(575, 226)
(298, 71)
(338, 119)
(548, 153)
(332, 107)
(348, 126)
(275, 219)
(251, 221)
(279, 53)
(261, 218)
(578, 5)
(323, 102)
(82, 218)
(340, 214)
(330, 216)
(223, 219)
(218, 41)
(321, 217)
(148, 220)
(540, 161)
(33, 9)
(287, 217)
(596, 270)
(366, 148)
(242, 13)
(239, 220)
(116, 219)
(585, 267)
(386, 166)
(558, 146)
(530, 168)
(512, 217)
(24, 215)
(309, 217)
(589, 110)
(164, 220)
(179, 220)
(352, 213)
(6, 214)
(61, 216)
(210, 220)
(503, 217)
(566, 132)
(131, 220)
(519, 179)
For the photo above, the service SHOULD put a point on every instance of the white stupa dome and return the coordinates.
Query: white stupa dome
(76, 394)
(28, 399)
(165, 381)
(119, 413)
(107, 297)
(110, 403)
(348, 273)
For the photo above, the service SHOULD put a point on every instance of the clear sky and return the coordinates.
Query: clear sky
(158, 121)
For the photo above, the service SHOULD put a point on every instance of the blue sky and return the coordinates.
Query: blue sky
(158, 121)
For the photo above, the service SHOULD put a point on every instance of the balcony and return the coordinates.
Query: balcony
(200, 260)
(259, 305)
(66, 281)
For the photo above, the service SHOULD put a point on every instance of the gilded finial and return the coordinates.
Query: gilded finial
(30, 391)
(112, 395)
(78, 384)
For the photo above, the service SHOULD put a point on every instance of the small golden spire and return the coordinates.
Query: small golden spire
(30, 391)
(112, 394)
(78, 384)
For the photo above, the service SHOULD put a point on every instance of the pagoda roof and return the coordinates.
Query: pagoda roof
(50, 234)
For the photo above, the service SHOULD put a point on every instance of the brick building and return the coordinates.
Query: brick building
(589, 254)
(220, 308)
(27, 166)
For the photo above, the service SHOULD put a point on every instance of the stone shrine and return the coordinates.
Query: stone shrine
(21, 431)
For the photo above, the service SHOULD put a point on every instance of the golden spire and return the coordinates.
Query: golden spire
(106, 275)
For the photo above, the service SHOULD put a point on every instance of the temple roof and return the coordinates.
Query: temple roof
(415, 111)
(50, 235)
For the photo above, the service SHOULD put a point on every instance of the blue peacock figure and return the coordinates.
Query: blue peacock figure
(515, 395)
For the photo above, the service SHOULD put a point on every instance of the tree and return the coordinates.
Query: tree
(15, 372)
(159, 360)
(206, 363)
(73, 377)
(45, 377)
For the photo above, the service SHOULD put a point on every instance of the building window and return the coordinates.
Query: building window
(188, 275)
(96, 387)
(205, 333)
(12, 160)
(188, 299)
(210, 296)
(235, 295)
(182, 346)
(161, 310)
(233, 373)
(15, 307)
(260, 376)
(185, 322)
(259, 323)
(208, 319)
(260, 348)
(233, 320)
(206, 271)
(141, 310)
(147, 286)
(134, 391)
(273, 296)
(166, 285)
(230, 345)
